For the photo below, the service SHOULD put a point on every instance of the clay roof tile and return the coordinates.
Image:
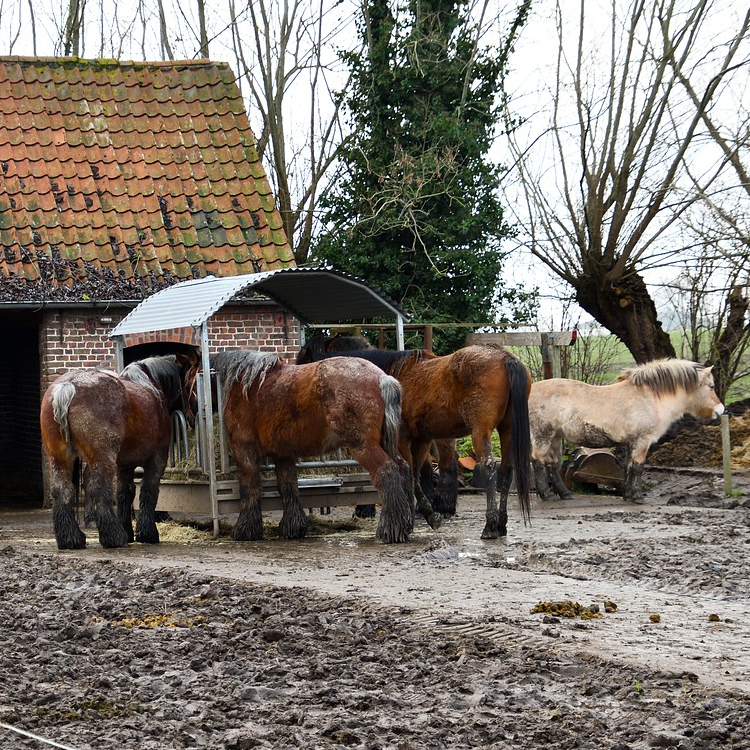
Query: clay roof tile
(129, 171)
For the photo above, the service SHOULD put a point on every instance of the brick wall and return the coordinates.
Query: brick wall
(71, 339)
(267, 330)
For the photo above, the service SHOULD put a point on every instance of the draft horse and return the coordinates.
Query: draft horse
(443, 494)
(111, 423)
(289, 411)
(630, 414)
(474, 391)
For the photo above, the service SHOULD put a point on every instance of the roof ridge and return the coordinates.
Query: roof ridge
(113, 62)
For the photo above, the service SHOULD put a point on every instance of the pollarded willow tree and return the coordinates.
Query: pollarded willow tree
(415, 208)
(620, 156)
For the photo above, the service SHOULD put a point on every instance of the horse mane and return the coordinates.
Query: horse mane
(243, 366)
(160, 375)
(665, 375)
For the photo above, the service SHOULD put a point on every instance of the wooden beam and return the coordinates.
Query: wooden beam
(523, 338)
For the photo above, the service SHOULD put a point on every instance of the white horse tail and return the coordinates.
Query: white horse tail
(61, 396)
(390, 390)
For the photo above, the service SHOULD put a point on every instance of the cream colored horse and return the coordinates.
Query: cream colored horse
(632, 413)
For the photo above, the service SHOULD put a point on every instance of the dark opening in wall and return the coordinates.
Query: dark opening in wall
(20, 438)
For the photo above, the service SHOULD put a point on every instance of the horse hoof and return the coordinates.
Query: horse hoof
(114, 538)
(242, 537)
(71, 544)
(489, 533)
(364, 511)
(435, 520)
(147, 538)
(391, 538)
(293, 534)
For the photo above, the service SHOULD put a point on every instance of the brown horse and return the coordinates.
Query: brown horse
(112, 424)
(288, 411)
(441, 494)
(632, 413)
(473, 391)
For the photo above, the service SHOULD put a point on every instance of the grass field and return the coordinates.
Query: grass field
(599, 359)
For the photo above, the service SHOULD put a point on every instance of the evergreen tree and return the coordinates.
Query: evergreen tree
(415, 210)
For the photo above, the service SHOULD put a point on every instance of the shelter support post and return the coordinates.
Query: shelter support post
(208, 424)
(400, 341)
(119, 355)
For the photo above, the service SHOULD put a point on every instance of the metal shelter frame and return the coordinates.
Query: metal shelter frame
(312, 295)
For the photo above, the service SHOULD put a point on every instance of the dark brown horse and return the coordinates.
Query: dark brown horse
(473, 391)
(441, 494)
(288, 411)
(112, 424)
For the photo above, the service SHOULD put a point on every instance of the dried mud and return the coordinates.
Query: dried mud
(338, 642)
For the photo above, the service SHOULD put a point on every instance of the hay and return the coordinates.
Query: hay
(201, 531)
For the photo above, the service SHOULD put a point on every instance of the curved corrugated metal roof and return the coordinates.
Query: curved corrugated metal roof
(314, 295)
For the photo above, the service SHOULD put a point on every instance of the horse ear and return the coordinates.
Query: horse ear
(188, 361)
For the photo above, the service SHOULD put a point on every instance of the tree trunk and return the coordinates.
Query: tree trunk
(730, 339)
(627, 310)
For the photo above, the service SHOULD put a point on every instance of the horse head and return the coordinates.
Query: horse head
(190, 365)
(162, 375)
(707, 404)
(690, 382)
(318, 346)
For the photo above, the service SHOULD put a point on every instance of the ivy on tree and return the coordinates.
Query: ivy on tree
(415, 208)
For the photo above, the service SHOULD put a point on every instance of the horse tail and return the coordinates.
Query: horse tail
(390, 390)
(61, 396)
(521, 431)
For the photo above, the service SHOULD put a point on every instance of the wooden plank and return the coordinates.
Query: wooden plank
(194, 497)
(522, 338)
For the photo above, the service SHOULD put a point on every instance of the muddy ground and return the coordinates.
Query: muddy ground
(338, 642)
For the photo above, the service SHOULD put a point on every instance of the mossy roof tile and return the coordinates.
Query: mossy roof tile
(87, 148)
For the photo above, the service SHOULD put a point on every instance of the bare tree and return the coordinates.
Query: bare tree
(166, 47)
(602, 202)
(287, 69)
(73, 27)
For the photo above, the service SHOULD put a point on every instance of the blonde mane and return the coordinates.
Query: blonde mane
(665, 376)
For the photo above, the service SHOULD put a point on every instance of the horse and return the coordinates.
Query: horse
(473, 391)
(288, 411)
(111, 423)
(443, 493)
(339, 342)
(631, 414)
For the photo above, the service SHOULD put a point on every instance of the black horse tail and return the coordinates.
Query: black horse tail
(61, 396)
(521, 437)
(390, 390)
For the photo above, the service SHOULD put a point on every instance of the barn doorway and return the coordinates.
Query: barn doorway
(21, 482)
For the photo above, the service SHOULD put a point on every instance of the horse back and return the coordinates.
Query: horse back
(309, 409)
(94, 415)
(594, 416)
